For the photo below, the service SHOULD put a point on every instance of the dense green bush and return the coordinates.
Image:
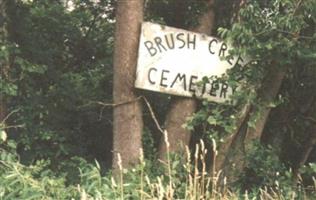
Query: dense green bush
(178, 179)
(61, 66)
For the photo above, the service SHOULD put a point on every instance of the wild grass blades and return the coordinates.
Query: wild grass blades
(200, 184)
(187, 180)
(119, 163)
(204, 173)
(187, 166)
(195, 176)
(265, 195)
(142, 166)
(214, 180)
(170, 188)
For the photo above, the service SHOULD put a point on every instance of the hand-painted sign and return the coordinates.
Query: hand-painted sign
(174, 61)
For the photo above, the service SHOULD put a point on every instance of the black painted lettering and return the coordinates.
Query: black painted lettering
(230, 60)
(163, 78)
(180, 38)
(150, 47)
(214, 87)
(193, 41)
(222, 49)
(204, 87)
(158, 42)
(210, 45)
(170, 44)
(149, 77)
(223, 90)
(181, 78)
(192, 83)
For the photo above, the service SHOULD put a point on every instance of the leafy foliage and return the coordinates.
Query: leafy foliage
(272, 35)
(263, 168)
(183, 180)
(60, 64)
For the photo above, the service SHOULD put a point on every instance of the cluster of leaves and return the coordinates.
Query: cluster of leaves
(274, 36)
(213, 121)
(280, 35)
(60, 59)
(178, 180)
(264, 168)
(277, 37)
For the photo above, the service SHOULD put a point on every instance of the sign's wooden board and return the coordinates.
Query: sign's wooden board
(174, 61)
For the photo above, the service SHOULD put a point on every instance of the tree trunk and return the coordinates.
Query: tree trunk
(268, 93)
(223, 149)
(128, 122)
(180, 107)
(232, 159)
(309, 143)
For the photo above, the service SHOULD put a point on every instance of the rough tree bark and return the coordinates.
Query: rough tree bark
(230, 154)
(305, 152)
(268, 93)
(128, 122)
(180, 107)
(223, 149)
(309, 143)
(231, 161)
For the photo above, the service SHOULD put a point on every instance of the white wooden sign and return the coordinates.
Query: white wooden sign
(174, 61)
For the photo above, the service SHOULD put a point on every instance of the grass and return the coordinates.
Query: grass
(183, 177)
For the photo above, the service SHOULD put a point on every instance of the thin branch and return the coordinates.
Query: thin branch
(310, 119)
(294, 34)
(11, 113)
(150, 109)
(15, 126)
(153, 115)
(111, 104)
(297, 6)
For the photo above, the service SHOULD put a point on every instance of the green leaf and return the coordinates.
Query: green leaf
(211, 120)
(3, 135)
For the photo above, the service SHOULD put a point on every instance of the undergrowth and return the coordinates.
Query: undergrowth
(178, 177)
